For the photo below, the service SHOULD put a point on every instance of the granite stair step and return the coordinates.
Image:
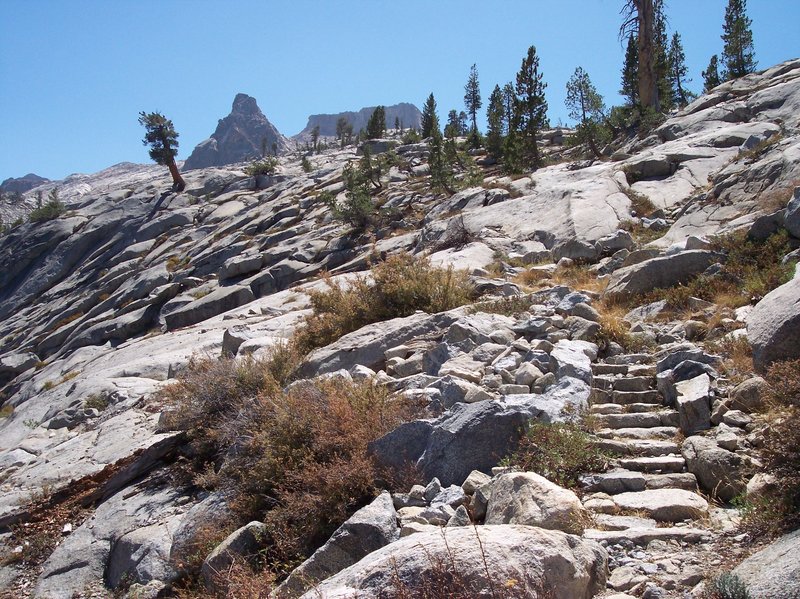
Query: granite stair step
(638, 419)
(601, 368)
(666, 464)
(627, 397)
(657, 432)
(644, 536)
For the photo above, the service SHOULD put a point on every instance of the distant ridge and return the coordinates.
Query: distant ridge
(409, 116)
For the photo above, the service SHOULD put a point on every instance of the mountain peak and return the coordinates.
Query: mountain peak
(244, 104)
(242, 135)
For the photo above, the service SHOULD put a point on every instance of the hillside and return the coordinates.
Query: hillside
(104, 307)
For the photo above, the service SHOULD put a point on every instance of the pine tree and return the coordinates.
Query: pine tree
(162, 138)
(639, 20)
(453, 126)
(397, 124)
(585, 106)
(711, 78)
(495, 118)
(738, 55)
(473, 103)
(428, 116)
(315, 138)
(630, 73)
(677, 61)
(510, 104)
(532, 106)
(376, 126)
(663, 68)
(441, 173)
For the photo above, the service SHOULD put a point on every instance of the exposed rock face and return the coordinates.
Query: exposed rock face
(535, 559)
(238, 137)
(773, 327)
(21, 184)
(408, 114)
(775, 570)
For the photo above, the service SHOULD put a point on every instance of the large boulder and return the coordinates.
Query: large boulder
(720, 473)
(486, 558)
(367, 346)
(775, 570)
(664, 505)
(694, 404)
(529, 499)
(662, 272)
(369, 529)
(475, 436)
(773, 326)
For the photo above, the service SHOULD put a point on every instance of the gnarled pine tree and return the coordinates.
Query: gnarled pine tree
(162, 138)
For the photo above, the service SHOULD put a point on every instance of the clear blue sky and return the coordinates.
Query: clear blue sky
(75, 73)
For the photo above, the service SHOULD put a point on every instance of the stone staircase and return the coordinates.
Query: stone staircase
(646, 494)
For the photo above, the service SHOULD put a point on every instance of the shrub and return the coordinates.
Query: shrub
(266, 166)
(750, 270)
(305, 164)
(561, 452)
(779, 510)
(411, 137)
(640, 203)
(51, 210)
(399, 286)
(296, 459)
(726, 586)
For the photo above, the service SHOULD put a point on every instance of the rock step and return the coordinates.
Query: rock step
(639, 419)
(635, 447)
(629, 383)
(600, 368)
(656, 432)
(667, 464)
(644, 536)
(630, 359)
(678, 480)
(629, 397)
(623, 481)
(663, 505)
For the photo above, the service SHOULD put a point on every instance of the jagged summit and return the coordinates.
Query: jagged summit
(408, 114)
(241, 135)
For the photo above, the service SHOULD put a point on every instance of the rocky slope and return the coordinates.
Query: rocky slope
(408, 114)
(238, 137)
(104, 305)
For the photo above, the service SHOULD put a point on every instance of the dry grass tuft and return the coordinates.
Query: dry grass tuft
(398, 287)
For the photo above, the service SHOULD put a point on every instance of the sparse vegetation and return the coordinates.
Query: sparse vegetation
(726, 586)
(265, 166)
(49, 211)
(750, 270)
(560, 452)
(778, 510)
(95, 401)
(6, 411)
(301, 462)
(399, 286)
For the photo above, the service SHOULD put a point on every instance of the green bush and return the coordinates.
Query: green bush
(561, 452)
(51, 210)
(265, 166)
(726, 586)
(397, 287)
